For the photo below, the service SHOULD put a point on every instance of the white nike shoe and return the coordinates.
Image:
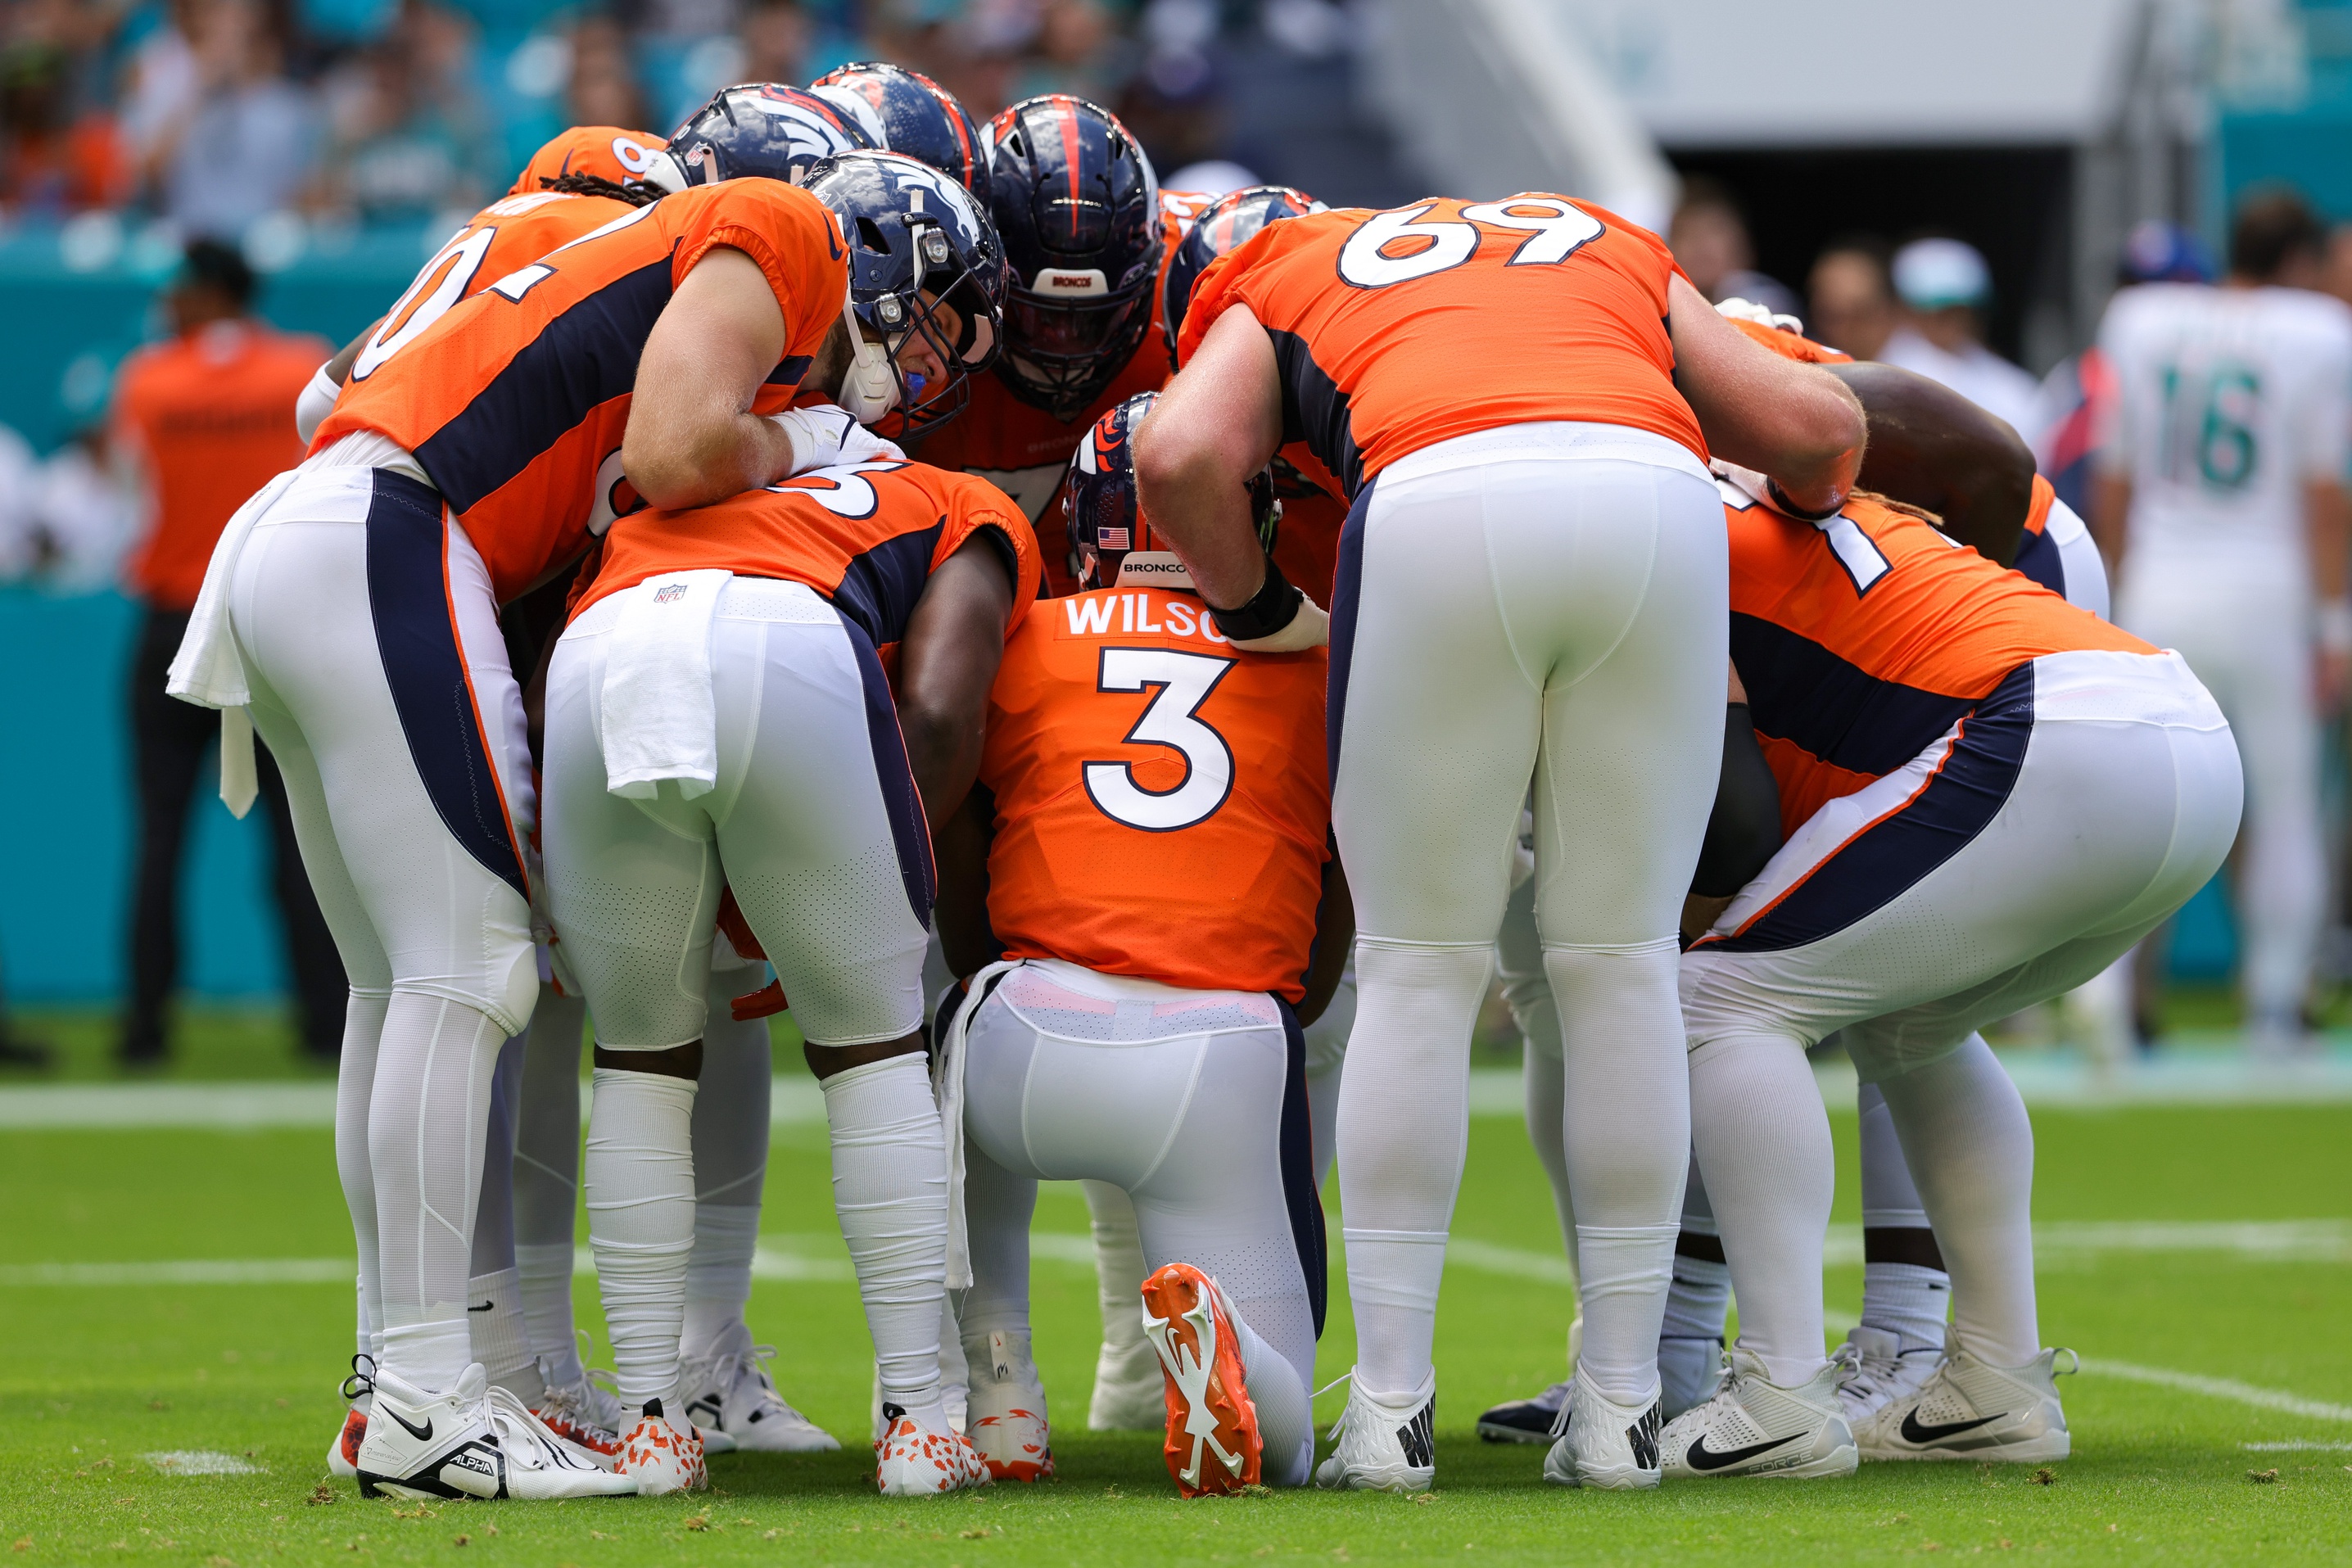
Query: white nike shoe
(1881, 1373)
(1129, 1393)
(1689, 1371)
(343, 1453)
(1754, 1426)
(1604, 1444)
(1384, 1446)
(663, 1454)
(474, 1441)
(1006, 1417)
(583, 1412)
(732, 1400)
(1969, 1410)
(924, 1458)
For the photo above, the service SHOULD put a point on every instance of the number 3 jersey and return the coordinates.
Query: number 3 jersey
(1863, 639)
(1394, 331)
(1163, 806)
(2228, 401)
(514, 400)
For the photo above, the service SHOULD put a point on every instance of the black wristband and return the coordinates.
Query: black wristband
(1274, 606)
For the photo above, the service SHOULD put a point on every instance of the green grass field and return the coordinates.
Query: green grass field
(2165, 1258)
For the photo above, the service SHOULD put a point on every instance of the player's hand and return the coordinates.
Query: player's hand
(825, 436)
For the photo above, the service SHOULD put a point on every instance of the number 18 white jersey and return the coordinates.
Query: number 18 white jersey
(2229, 401)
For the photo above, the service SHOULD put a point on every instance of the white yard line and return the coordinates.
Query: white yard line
(2222, 1388)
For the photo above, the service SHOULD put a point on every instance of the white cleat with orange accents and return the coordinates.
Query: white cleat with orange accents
(1212, 1445)
(663, 1455)
(1005, 1420)
(923, 1456)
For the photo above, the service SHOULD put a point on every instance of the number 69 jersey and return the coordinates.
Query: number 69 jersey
(1397, 329)
(1163, 805)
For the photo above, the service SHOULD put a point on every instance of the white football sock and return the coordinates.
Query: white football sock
(1763, 1141)
(640, 1170)
(1701, 1296)
(426, 1121)
(1285, 1420)
(1543, 1081)
(1971, 1150)
(1909, 1300)
(1323, 1106)
(730, 1161)
(889, 1188)
(547, 1175)
(1405, 1107)
(1626, 1125)
(1119, 1268)
(355, 1084)
(500, 1340)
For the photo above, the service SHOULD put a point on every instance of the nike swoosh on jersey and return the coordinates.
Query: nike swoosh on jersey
(422, 1434)
(1915, 1433)
(1700, 1457)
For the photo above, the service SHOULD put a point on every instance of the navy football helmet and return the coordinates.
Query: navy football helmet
(1077, 204)
(1107, 526)
(769, 129)
(916, 116)
(1221, 226)
(924, 264)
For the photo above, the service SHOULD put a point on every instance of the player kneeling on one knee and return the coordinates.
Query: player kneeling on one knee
(1142, 896)
(1989, 794)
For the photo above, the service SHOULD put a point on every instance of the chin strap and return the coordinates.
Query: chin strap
(868, 387)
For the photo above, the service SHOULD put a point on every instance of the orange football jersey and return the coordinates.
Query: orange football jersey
(1163, 804)
(867, 535)
(1394, 331)
(514, 400)
(1863, 638)
(1025, 451)
(606, 152)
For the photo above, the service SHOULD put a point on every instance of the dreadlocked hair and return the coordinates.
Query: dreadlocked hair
(636, 193)
(1905, 507)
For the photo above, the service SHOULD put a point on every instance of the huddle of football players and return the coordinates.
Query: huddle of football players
(931, 561)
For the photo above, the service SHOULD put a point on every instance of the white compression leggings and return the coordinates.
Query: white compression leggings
(1579, 597)
(1071, 1075)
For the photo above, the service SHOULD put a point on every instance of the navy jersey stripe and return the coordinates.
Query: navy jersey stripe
(880, 587)
(911, 832)
(1314, 410)
(584, 357)
(2041, 559)
(1801, 692)
(1871, 870)
(1297, 1156)
(425, 668)
(788, 373)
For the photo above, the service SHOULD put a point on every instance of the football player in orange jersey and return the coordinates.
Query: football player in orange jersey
(812, 587)
(352, 606)
(1517, 397)
(1988, 795)
(1139, 895)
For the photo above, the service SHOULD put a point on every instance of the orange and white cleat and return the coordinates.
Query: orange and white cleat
(582, 1413)
(1212, 1446)
(914, 1458)
(1006, 1421)
(343, 1453)
(660, 1457)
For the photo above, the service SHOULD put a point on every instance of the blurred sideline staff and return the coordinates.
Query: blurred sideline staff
(207, 418)
(1945, 287)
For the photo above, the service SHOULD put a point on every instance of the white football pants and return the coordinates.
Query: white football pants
(2253, 651)
(1177, 1098)
(1546, 600)
(2072, 810)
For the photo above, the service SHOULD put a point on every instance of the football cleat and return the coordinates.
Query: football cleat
(474, 1441)
(1383, 1445)
(1882, 1373)
(1212, 1446)
(1534, 1420)
(1688, 1372)
(1754, 1426)
(912, 1459)
(1969, 1410)
(662, 1455)
(733, 1402)
(343, 1453)
(1602, 1443)
(1006, 1417)
(583, 1412)
(1129, 1392)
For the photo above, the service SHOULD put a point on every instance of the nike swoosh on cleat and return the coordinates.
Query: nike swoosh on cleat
(422, 1434)
(1915, 1433)
(1700, 1457)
